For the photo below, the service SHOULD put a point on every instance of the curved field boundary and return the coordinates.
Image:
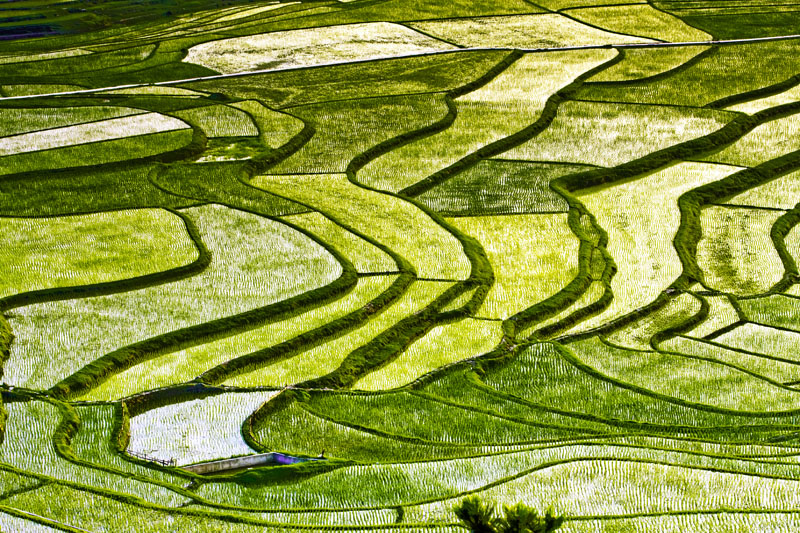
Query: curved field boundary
(122, 358)
(525, 50)
(111, 287)
(688, 234)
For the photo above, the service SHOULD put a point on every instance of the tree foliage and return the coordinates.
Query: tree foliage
(479, 517)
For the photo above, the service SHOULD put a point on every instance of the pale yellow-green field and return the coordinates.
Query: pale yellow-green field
(754, 106)
(502, 107)
(441, 346)
(171, 432)
(610, 134)
(767, 141)
(764, 340)
(276, 127)
(721, 313)
(16, 121)
(220, 121)
(185, 365)
(641, 20)
(115, 128)
(694, 380)
(404, 228)
(641, 218)
(315, 46)
(321, 360)
(644, 63)
(781, 193)
(251, 12)
(780, 371)
(366, 257)
(546, 30)
(42, 253)
(533, 257)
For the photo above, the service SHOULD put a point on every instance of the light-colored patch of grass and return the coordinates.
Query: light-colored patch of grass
(641, 218)
(255, 262)
(252, 12)
(612, 134)
(763, 339)
(14, 121)
(547, 30)
(777, 370)
(641, 20)
(115, 128)
(441, 346)
(736, 253)
(775, 310)
(13, 523)
(644, 63)
(40, 253)
(323, 359)
(638, 334)
(365, 257)
(754, 106)
(399, 225)
(98, 513)
(276, 128)
(528, 264)
(314, 46)
(743, 521)
(613, 487)
(688, 379)
(505, 105)
(767, 141)
(721, 313)
(184, 365)
(220, 121)
(157, 90)
(28, 446)
(96, 443)
(783, 193)
(171, 432)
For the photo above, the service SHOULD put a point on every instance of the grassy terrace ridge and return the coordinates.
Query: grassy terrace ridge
(531, 251)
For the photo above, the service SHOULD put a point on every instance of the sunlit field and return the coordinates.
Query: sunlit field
(339, 265)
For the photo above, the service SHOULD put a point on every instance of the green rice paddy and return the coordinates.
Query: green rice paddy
(542, 252)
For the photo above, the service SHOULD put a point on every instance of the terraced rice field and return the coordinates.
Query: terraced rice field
(542, 252)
